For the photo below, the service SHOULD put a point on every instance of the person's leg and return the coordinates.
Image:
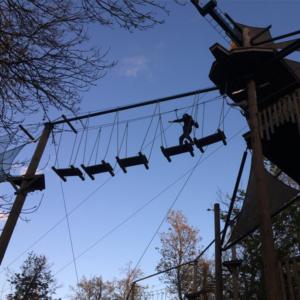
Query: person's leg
(181, 138)
(187, 136)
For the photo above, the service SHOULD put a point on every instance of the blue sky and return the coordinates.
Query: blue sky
(170, 59)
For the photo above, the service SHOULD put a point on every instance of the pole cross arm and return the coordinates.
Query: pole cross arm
(33, 183)
(273, 39)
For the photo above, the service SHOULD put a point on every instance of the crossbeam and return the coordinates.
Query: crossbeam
(159, 100)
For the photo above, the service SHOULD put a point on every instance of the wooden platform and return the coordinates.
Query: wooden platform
(34, 183)
(132, 161)
(210, 139)
(68, 172)
(180, 149)
(97, 169)
(227, 69)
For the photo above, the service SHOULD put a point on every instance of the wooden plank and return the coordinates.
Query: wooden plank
(271, 119)
(261, 132)
(276, 115)
(291, 109)
(108, 167)
(296, 275)
(86, 170)
(289, 279)
(266, 125)
(163, 150)
(286, 112)
(280, 113)
(282, 282)
(297, 111)
(121, 164)
(144, 160)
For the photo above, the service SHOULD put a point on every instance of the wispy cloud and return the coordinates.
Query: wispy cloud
(24, 169)
(134, 66)
(159, 45)
(3, 217)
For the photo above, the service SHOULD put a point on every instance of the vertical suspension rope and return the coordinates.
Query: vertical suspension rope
(127, 139)
(203, 118)
(94, 148)
(87, 131)
(117, 131)
(80, 143)
(160, 124)
(125, 131)
(224, 113)
(195, 117)
(112, 130)
(162, 131)
(62, 130)
(73, 149)
(149, 127)
(99, 133)
(221, 114)
(153, 141)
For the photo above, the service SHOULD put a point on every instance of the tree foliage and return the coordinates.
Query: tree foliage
(44, 58)
(180, 244)
(286, 232)
(117, 289)
(35, 280)
(92, 289)
(124, 284)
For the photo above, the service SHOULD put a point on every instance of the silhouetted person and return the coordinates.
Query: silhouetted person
(188, 123)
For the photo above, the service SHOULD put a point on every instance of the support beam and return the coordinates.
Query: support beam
(218, 258)
(264, 215)
(20, 199)
(234, 195)
(235, 284)
(159, 100)
(27, 133)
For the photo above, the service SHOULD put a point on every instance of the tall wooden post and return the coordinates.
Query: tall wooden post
(264, 215)
(132, 291)
(218, 259)
(20, 199)
(195, 277)
(234, 275)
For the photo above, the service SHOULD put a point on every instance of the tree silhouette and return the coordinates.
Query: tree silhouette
(35, 280)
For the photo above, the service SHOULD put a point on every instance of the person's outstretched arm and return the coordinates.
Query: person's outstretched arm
(177, 121)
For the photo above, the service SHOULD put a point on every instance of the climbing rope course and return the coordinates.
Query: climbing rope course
(124, 142)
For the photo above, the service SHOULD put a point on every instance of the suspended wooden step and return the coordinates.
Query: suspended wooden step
(210, 139)
(132, 161)
(186, 147)
(72, 171)
(232, 265)
(97, 169)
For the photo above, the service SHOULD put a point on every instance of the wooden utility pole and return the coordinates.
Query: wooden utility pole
(218, 259)
(264, 215)
(20, 199)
